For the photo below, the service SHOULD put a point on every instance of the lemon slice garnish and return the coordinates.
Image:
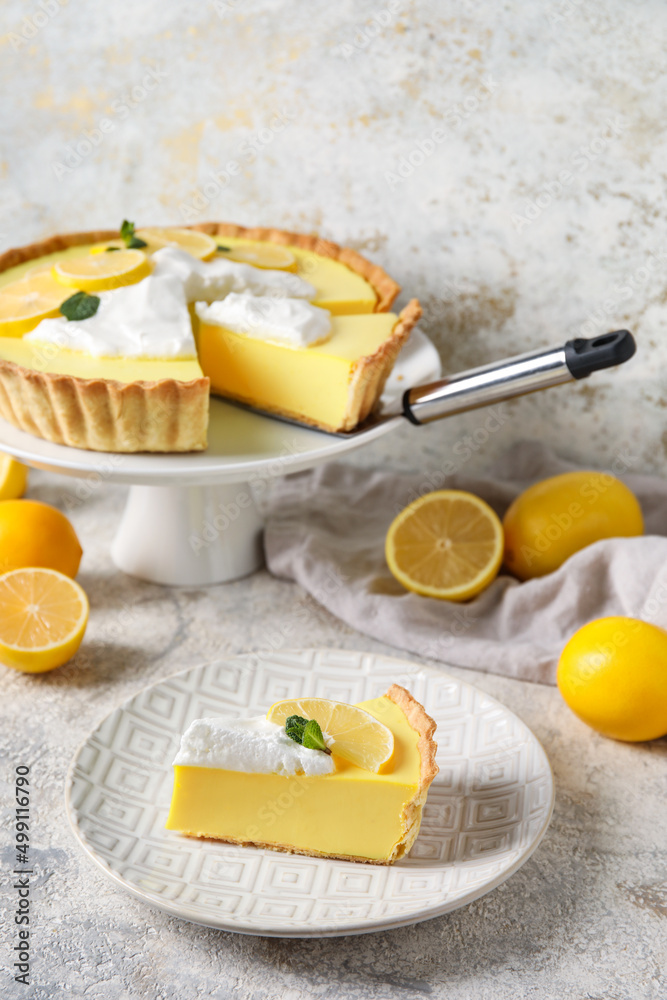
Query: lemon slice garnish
(353, 734)
(99, 272)
(25, 303)
(43, 617)
(197, 244)
(266, 255)
(447, 544)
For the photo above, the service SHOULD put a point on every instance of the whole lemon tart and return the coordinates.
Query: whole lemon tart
(314, 777)
(113, 341)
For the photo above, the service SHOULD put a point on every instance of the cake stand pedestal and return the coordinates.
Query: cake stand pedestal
(193, 520)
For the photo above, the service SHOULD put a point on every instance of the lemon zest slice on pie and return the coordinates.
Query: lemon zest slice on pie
(264, 255)
(199, 245)
(26, 302)
(43, 617)
(351, 733)
(100, 272)
(447, 544)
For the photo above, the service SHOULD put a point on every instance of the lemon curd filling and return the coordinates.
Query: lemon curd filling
(53, 360)
(339, 289)
(349, 813)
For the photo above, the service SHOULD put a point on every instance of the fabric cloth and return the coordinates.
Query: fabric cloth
(326, 530)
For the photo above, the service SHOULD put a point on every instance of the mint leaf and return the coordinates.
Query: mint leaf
(294, 727)
(111, 249)
(79, 306)
(131, 241)
(312, 737)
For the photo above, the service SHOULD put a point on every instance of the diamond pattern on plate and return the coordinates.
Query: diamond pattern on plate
(486, 812)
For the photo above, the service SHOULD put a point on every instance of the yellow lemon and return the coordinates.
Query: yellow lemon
(447, 544)
(35, 534)
(613, 675)
(13, 478)
(355, 735)
(26, 302)
(43, 617)
(197, 244)
(557, 517)
(266, 255)
(100, 272)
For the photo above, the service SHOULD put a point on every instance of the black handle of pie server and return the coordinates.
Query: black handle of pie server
(585, 356)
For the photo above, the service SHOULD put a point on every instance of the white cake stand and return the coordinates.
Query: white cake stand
(193, 519)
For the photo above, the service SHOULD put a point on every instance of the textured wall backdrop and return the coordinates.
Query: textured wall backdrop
(505, 161)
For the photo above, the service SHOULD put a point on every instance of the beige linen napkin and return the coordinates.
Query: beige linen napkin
(326, 529)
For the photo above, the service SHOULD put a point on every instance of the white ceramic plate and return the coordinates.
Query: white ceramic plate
(486, 812)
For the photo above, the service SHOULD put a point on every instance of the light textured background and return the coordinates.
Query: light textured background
(523, 92)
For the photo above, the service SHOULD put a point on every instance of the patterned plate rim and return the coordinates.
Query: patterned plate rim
(374, 925)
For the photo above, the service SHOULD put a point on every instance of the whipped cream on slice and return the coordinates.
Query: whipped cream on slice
(206, 281)
(290, 322)
(147, 320)
(254, 745)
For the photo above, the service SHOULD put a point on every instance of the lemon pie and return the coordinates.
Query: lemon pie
(135, 375)
(356, 792)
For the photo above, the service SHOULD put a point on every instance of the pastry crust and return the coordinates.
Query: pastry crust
(169, 415)
(105, 415)
(384, 287)
(425, 726)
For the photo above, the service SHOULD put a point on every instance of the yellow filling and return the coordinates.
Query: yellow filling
(351, 812)
(339, 289)
(51, 359)
(313, 382)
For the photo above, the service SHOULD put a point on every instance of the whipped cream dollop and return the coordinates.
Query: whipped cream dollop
(252, 745)
(290, 322)
(206, 281)
(149, 319)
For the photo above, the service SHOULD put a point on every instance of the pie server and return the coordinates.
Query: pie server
(506, 379)
(493, 383)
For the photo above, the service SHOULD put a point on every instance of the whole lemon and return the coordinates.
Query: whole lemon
(36, 534)
(613, 675)
(557, 517)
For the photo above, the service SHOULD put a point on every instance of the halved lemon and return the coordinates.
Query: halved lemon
(26, 302)
(263, 255)
(352, 734)
(99, 272)
(43, 617)
(447, 544)
(199, 245)
(13, 478)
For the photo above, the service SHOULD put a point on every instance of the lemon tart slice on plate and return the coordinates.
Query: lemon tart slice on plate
(135, 373)
(314, 777)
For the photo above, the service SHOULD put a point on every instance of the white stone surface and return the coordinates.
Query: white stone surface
(301, 121)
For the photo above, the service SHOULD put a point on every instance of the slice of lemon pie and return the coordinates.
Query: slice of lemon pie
(314, 777)
(114, 344)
